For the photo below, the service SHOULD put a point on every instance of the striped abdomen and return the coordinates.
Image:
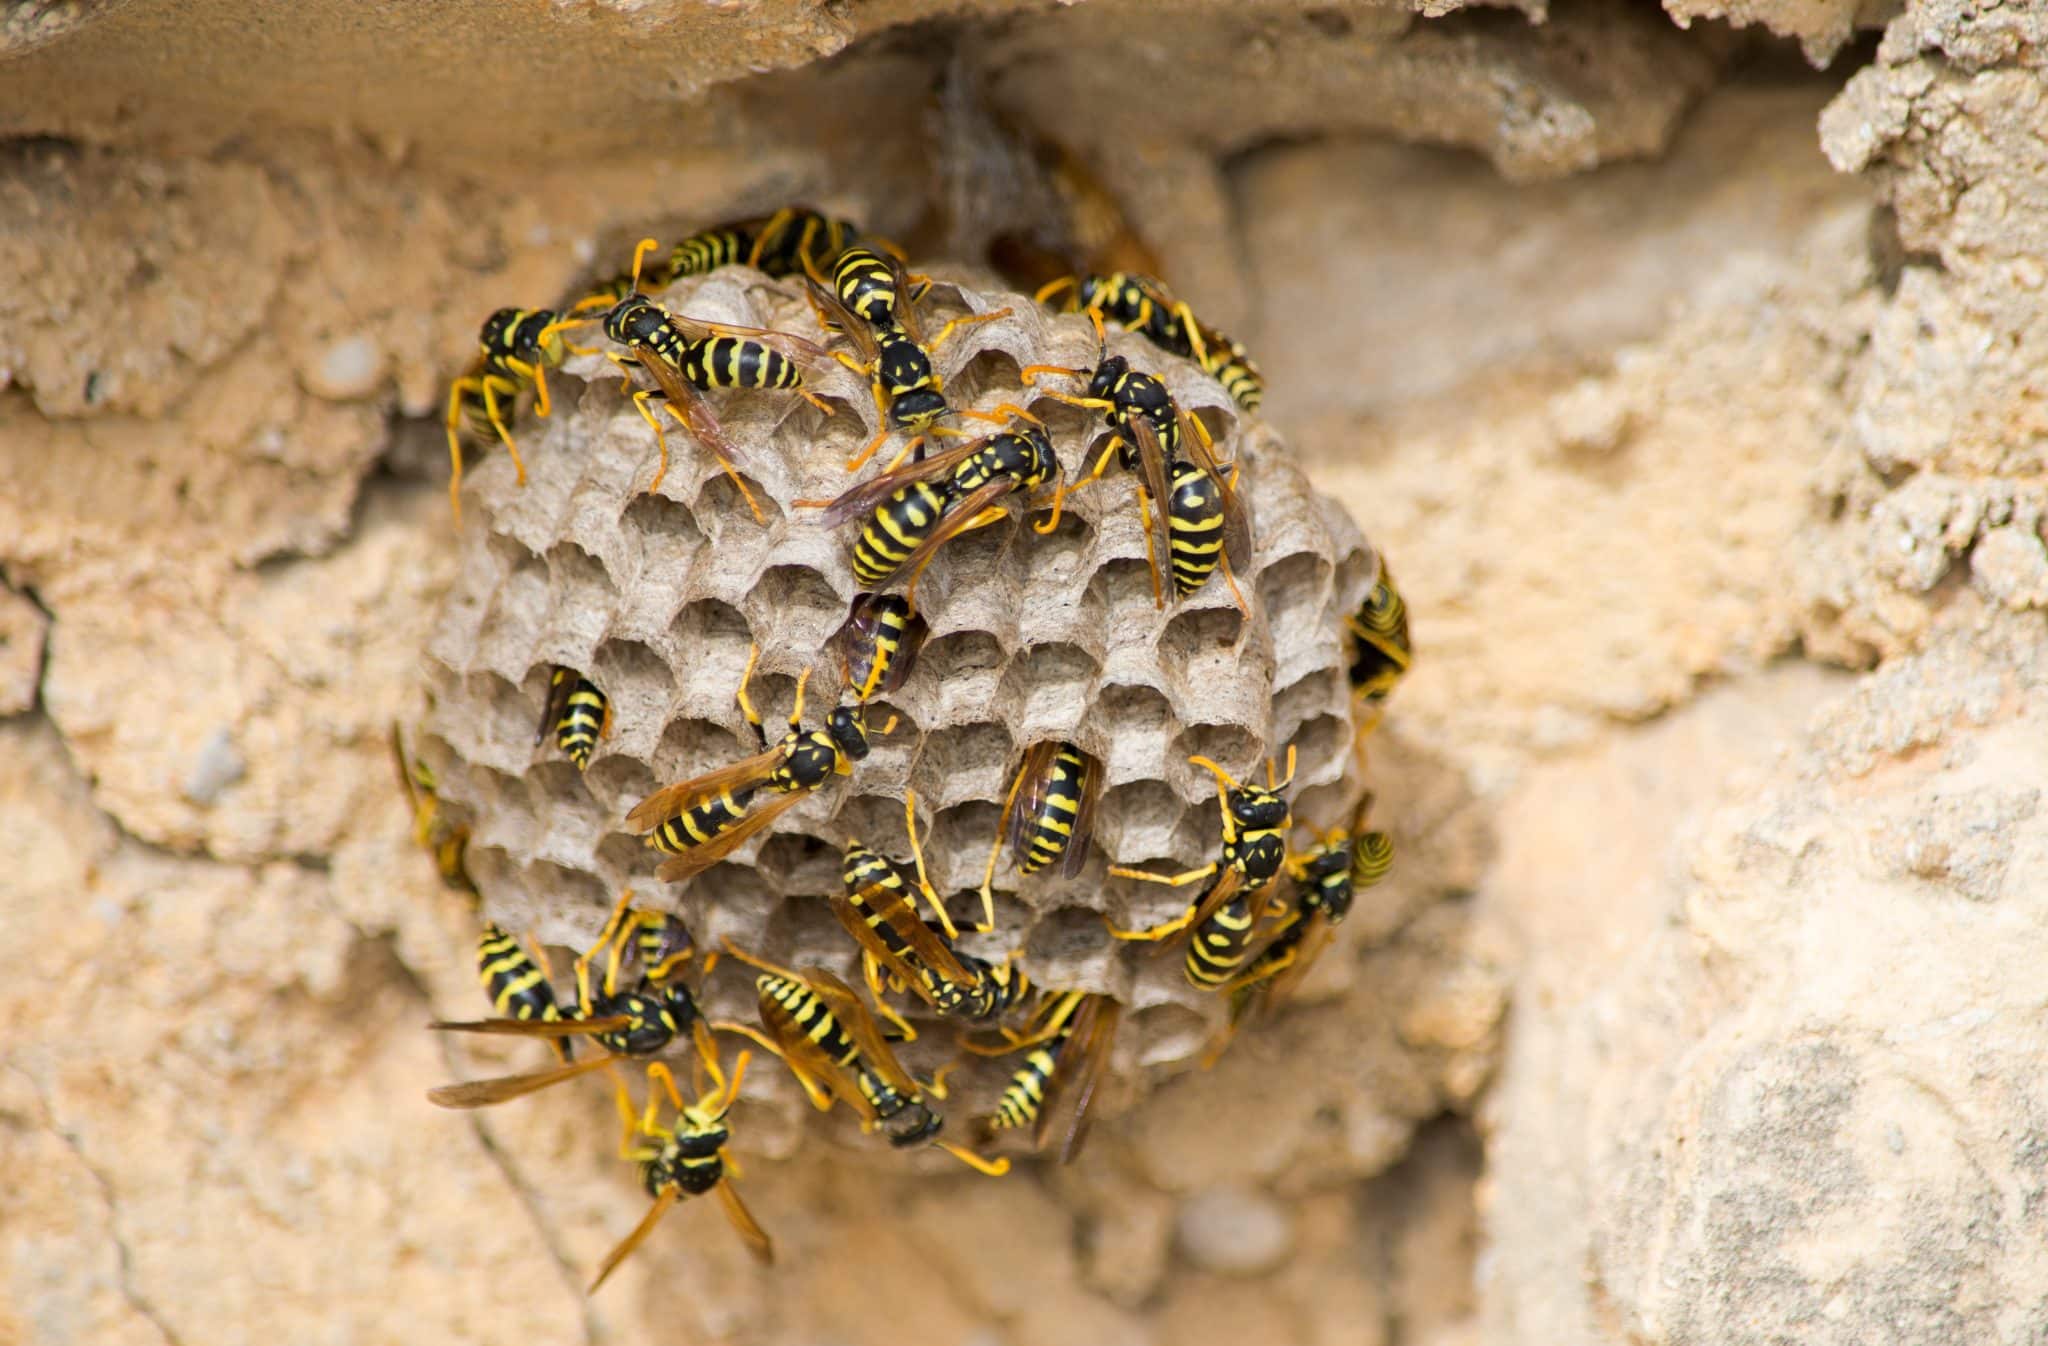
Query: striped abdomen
(701, 822)
(1194, 513)
(1052, 826)
(798, 1004)
(895, 530)
(734, 362)
(515, 983)
(1024, 1095)
(1380, 633)
(582, 719)
(1220, 943)
(476, 406)
(1371, 858)
(701, 254)
(866, 284)
(864, 869)
(1231, 365)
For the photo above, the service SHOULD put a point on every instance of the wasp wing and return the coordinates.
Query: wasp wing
(1034, 781)
(952, 523)
(561, 686)
(925, 944)
(533, 1028)
(1083, 1058)
(808, 1060)
(847, 1007)
(697, 859)
(795, 347)
(862, 499)
(483, 1093)
(1144, 437)
(669, 1196)
(1237, 524)
(743, 1222)
(671, 800)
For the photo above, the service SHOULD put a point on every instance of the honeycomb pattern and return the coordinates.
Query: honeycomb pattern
(656, 598)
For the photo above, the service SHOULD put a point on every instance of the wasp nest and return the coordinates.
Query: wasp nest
(657, 598)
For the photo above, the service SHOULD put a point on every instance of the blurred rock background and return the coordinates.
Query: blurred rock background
(1693, 391)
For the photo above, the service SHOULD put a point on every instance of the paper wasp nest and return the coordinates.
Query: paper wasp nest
(656, 598)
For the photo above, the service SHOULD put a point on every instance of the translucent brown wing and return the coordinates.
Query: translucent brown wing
(688, 404)
(795, 347)
(1152, 466)
(862, 499)
(1228, 881)
(1037, 778)
(1082, 1059)
(850, 327)
(1084, 818)
(1280, 987)
(852, 1013)
(697, 859)
(668, 1197)
(483, 1093)
(906, 307)
(534, 1028)
(957, 516)
(854, 642)
(671, 800)
(1237, 524)
(809, 1060)
(743, 1221)
(925, 943)
(561, 685)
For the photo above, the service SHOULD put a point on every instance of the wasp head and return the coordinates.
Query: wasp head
(848, 727)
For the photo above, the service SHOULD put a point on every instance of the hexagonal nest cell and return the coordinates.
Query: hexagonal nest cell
(657, 599)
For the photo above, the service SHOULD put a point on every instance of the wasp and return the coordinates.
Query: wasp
(880, 912)
(518, 987)
(515, 349)
(700, 821)
(1142, 305)
(1380, 650)
(446, 841)
(870, 303)
(1255, 826)
(825, 1035)
(793, 239)
(685, 357)
(1060, 785)
(1196, 506)
(1327, 878)
(640, 1021)
(878, 644)
(578, 713)
(915, 509)
(687, 1158)
(1066, 1055)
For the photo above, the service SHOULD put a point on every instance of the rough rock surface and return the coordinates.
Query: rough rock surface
(1735, 978)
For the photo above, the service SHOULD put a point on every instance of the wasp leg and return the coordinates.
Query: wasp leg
(753, 717)
(456, 390)
(641, 398)
(946, 332)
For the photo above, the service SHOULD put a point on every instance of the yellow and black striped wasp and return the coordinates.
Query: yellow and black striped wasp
(515, 349)
(1144, 306)
(879, 910)
(878, 644)
(871, 303)
(793, 240)
(1066, 1053)
(1197, 506)
(817, 1024)
(1225, 917)
(641, 1020)
(1379, 646)
(1327, 877)
(687, 1158)
(518, 987)
(700, 821)
(578, 713)
(446, 841)
(913, 510)
(1059, 785)
(686, 357)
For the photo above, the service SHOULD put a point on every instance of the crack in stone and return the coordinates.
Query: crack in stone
(122, 1258)
(593, 1332)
